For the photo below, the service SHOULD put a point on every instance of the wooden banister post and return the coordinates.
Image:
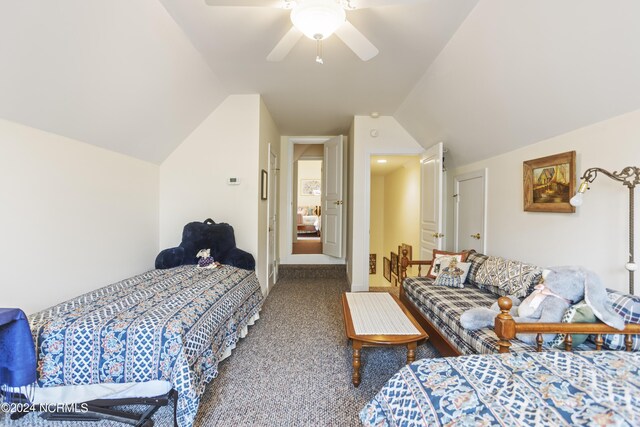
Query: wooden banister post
(404, 263)
(505, 326)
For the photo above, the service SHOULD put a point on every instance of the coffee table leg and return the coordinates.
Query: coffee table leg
(411, 352)
(357, 345)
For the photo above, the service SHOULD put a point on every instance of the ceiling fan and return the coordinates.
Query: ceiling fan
(318, 19)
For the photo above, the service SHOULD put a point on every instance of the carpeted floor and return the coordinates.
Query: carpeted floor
(293, 369)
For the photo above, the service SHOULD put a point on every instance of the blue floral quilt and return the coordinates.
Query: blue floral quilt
(517, 389)
(171, 325)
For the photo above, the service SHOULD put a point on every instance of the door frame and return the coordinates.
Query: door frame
(481, 173)
(272, 201)
(288, 257)
(364, 262)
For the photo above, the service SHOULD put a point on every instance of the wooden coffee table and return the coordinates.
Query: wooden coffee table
(359, 341)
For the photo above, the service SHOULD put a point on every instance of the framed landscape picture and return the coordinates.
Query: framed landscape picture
(549, 183)
(386, 268)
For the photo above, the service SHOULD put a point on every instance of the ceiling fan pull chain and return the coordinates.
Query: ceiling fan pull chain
(319, 49)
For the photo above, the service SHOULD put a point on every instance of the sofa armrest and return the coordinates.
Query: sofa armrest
(506, 328)
(239, 258)
(170, 258)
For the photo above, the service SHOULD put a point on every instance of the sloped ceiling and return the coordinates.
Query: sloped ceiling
(118, 74)
(306, 98)
(518, 72)
(137, 76)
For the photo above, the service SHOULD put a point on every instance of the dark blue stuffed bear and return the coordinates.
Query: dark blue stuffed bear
(206, 235)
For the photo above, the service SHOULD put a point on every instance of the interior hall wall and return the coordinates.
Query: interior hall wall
(193, 179)
(73, 217)
(390, 138)
(596, 235)
(402, 208)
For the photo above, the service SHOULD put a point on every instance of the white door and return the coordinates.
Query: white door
(273, 219)
(332, 202)
(431, 232)
(470, 211)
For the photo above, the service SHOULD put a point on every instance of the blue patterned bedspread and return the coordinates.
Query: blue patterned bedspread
(171, 325)
(516, 389)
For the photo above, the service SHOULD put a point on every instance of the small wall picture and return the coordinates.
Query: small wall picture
(549, 183)
(386, 268)
(310, 187)
(372, 263)
(394, 263)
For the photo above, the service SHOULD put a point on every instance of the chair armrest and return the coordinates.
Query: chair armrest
(170, 258)
(239, 258)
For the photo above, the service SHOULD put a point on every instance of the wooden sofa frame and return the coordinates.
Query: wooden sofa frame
(506, 327)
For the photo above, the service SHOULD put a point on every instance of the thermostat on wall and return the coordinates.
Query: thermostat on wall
(233, 181)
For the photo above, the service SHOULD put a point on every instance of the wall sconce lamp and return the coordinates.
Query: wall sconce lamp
(629, 177)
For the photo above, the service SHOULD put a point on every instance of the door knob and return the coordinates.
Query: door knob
(337, 202)
(438, 235)
(476, 236)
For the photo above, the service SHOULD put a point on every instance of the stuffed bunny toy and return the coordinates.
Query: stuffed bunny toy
(559, 288)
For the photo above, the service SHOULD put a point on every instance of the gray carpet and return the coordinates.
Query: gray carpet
(293, 369)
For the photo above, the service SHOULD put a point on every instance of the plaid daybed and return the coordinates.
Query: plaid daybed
(442, 306)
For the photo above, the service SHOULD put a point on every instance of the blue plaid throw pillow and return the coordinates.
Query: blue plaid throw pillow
(627, 306)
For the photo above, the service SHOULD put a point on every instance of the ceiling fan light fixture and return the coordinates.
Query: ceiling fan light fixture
(318, 19)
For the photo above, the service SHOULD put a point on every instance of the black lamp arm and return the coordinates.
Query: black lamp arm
(629, 176)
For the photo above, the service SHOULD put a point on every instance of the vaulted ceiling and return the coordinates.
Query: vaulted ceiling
(137, 76)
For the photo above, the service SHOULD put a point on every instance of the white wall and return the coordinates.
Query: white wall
(231, 142)
(73, 217)
(596, 236)
(309, 169)
(391, 139)
(193, 179)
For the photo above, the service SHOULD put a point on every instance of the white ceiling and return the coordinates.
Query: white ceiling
(306, 98)
(137, 76)
(392, 164)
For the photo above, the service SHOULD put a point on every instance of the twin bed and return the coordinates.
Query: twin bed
(555, 388)
(161, 330)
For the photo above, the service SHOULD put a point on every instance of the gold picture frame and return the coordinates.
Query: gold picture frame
(549, 183)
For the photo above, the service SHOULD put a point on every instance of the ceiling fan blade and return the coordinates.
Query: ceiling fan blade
(364, 4)
(285, 45)
(246, 3)
(358, 43)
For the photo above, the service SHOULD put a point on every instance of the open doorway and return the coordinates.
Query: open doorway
(308, 185)
(326, 213)
(394, 217)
